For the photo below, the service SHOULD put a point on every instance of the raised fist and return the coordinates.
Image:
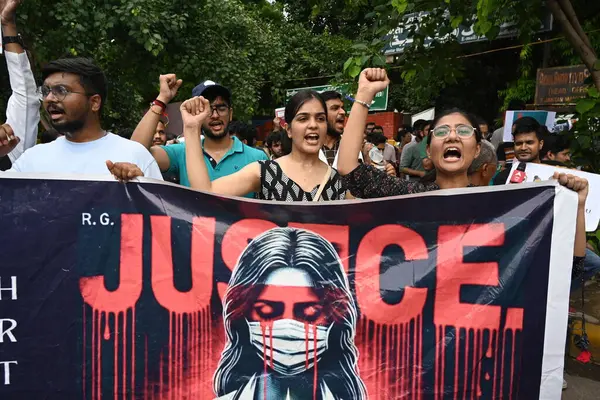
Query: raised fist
(372, 81)
(8, 10)
(576, 184)
(195, 111)
(169, 85)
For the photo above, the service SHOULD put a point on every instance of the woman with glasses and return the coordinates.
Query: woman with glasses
(452, 145)
(297, 176)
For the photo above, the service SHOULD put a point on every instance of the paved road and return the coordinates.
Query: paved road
(581, 389)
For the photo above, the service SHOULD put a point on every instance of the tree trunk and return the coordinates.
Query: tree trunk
(587, 54)
(569, 11)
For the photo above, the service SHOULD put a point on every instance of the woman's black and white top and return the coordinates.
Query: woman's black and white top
(276, 185)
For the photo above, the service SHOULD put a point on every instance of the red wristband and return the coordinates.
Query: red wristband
(159, 103)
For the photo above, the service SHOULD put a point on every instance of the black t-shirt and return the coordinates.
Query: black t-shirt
(501, 178)
(5, 163)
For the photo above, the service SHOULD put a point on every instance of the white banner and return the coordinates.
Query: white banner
(543, 172)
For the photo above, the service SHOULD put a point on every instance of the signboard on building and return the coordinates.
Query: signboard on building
(401, 37)
(380, 102)
(561, 85)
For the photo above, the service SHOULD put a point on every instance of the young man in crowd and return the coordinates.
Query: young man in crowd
(336, 120)
(403, 137)
(73, 94)
(273, 143)
(483, 168)
(223, 154)
(244, 132)
(556, 148)
(528, 141)
(529, 137)
(162, 138)
(411, 162)
(23, 109)
(376, 154)
(369, 128)
(483, 128)
(389, 153)
(160, 134)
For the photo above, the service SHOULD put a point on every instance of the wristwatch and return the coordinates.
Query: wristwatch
(13, 39)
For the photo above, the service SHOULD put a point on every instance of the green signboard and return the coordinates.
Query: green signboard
(380, 102)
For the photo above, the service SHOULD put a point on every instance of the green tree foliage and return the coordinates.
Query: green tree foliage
(249, 46)
(348, 18)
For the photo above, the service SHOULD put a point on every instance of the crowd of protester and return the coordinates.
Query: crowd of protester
(318, 154)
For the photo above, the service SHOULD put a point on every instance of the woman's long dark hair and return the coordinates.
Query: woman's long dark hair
(291, 109)
(311, 253)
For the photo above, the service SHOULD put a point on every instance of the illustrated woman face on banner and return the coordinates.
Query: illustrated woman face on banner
(290, 322)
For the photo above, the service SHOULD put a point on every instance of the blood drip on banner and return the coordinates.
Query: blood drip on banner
(186, 366)
(476, 346)
(391, 369)
(189, 360)
(112, 313)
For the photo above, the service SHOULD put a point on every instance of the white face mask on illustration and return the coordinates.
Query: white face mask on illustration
(292, 347)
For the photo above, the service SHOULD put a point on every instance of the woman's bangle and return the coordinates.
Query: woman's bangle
(362, 103)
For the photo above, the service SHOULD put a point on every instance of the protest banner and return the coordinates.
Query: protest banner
(155, 291)
(542, 172)
(543, 117)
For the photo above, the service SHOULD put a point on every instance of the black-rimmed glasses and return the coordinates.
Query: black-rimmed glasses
(221, 109)
(58, 91)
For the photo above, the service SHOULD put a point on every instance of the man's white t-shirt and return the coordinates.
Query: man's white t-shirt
(63, 156)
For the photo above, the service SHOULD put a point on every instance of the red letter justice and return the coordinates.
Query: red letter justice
(203, 241)
(130, 272)
(452, 273)
(368, 261)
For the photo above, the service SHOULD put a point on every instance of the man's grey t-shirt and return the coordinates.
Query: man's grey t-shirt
(497, 137)
(411, 158)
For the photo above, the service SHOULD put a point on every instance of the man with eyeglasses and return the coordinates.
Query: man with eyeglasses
(224, 154)
(23, 109)
(73, 94)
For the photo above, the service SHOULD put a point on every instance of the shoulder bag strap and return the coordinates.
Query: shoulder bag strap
(322, 185)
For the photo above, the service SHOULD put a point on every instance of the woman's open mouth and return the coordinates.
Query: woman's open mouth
(312, 139)
(452, 154)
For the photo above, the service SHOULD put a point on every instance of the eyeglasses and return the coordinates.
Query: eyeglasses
(221, 109)
(58, 91)
(464, 131)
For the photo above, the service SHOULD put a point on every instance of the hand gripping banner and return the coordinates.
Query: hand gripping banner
(153, 291)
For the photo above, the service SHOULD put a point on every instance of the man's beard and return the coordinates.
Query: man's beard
(333, 133)
(69, 128)
(209, 134)
(529, 158)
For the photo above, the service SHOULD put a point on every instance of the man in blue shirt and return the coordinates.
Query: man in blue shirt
(223, 153)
